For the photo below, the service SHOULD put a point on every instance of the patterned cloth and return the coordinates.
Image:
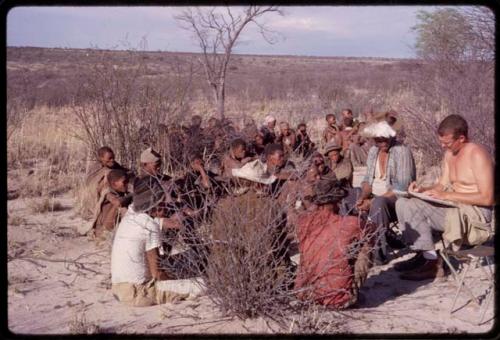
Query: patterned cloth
(401, 169)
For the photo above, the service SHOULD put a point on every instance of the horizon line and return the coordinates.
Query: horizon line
(233, 53)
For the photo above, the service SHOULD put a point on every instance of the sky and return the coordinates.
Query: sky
(362, 31)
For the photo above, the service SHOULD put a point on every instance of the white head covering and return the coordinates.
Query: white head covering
(269, 119)
(379, 129)
(149, 156)
(254, 171)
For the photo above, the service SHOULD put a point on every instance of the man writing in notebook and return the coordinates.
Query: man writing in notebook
(467, 179)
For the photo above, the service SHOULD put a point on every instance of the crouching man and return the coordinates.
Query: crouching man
(334, 250)
(135, 253)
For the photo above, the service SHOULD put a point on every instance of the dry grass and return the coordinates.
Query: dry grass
(15, 220)
(44, 205)
(80, 325)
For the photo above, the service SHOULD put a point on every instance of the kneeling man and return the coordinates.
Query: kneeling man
(135, 256)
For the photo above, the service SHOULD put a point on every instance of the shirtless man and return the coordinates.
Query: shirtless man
(467, 177)
(286, 138)
(332, 130)
(346, 113)
(235, 159)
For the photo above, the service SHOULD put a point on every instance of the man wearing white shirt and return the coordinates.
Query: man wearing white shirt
(135, 253)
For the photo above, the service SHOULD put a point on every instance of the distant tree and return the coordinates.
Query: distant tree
(456, 35)
(457, 47)
(217, 31)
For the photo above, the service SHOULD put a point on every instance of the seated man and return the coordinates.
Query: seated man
(390, 165)
(345, 114)
(318, 160)
(286, 138)
(332, 131)
(276, 164)
(467, 178)
(267, 130)
(113, 203)
(135, 255)
(303, 145)
(340, 166)
(96, 182)
(357, 147)
(151, 165)
(235, 158)
(257, 145)
(334, 257)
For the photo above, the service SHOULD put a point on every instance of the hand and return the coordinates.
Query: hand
(413, 187)
(247, 159)
(197, 166)
(363, 204)
(171, 223)
(162, 275)
(442, 195)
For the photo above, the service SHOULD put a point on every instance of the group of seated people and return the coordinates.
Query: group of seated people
(331, 217)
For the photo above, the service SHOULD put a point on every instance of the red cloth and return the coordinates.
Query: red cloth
(326, 270)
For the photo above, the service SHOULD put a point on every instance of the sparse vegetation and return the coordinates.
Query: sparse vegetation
(80, 325)
(44, 205)
(122, 98)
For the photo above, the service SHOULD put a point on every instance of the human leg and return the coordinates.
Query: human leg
(382, 213)
(417, 220)
(348, 204)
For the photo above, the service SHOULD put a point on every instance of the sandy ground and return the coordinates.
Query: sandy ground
(56, 277)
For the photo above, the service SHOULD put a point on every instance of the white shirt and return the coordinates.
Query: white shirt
(136, 234)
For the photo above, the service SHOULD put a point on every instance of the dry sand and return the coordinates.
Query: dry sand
(56, 277)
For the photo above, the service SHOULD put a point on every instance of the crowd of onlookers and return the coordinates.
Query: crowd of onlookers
(307, 184)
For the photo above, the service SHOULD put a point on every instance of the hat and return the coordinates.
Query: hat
(328, 190)
(379, 129)
(269, 119)
(254, 171)
(330, 146)
(150, 156)
(148, 193)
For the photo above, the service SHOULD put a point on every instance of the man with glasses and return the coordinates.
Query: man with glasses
(467, 179)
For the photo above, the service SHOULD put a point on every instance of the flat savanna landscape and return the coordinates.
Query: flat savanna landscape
(64, 103)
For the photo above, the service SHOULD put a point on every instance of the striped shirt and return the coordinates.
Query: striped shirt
(400, 171)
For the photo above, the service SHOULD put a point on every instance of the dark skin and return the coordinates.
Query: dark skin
(153, 255)
(364, 202)
(107, 159)
(152, 168)
(198, 166)
(276, 160)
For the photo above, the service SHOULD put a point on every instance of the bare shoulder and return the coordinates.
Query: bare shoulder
(477, 152)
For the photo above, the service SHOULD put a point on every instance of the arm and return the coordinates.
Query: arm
(153, 259)
(482, 170)
(439, 185)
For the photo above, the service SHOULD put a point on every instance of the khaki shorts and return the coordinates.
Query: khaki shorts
(144, 294)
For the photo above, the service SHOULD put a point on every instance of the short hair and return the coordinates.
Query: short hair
(115, 174)
(329, 115)
(301, 124)
(348, 110)
(272, 149)
(282, 124)
(104, 150)
(455, 124)
(391, 120)
(238, 142)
